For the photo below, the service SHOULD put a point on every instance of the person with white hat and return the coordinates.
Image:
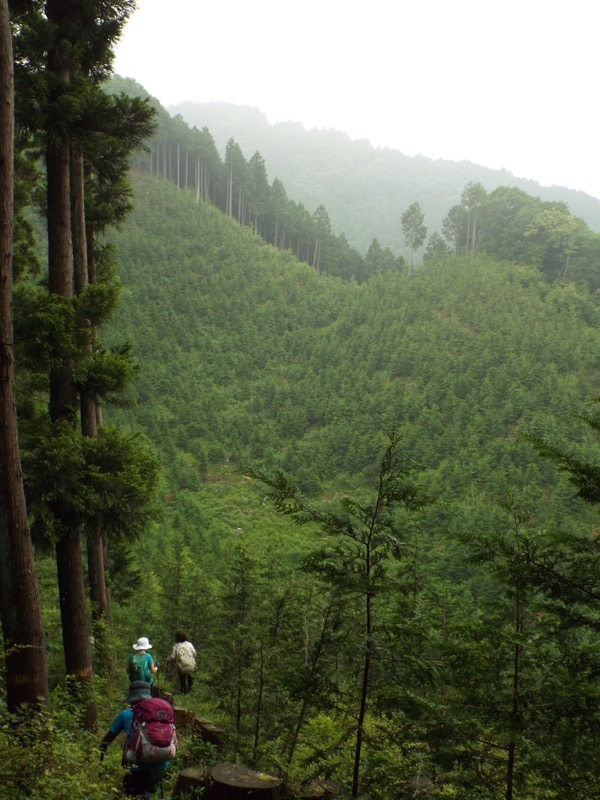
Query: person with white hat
(140, 665)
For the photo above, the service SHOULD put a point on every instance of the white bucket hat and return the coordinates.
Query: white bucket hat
(142, 644)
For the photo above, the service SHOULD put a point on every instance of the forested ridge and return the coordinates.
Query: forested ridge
(504, 222)
(366, 488)
(365, 189)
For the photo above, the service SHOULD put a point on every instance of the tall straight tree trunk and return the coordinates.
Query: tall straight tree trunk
(85, 274)
(20, 604)
(229, 200)
(76, 638)
(75, 628)
(74, 616)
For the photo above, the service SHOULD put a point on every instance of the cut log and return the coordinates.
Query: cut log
(233, 782)
(210, 733)
(187, 722)
(183, 719)
(190, 781)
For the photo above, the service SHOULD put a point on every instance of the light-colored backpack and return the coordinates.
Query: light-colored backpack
(185, 659)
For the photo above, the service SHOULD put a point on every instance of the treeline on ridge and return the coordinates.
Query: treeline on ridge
(506, 223)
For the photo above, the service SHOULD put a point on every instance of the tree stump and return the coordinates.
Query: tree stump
(320, 790)
(187, 722)
(209, 732)
(183, 719)
(233, 782)
(192, 778)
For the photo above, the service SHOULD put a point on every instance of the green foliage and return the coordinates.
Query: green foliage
(413, 229)
(107, 481)
(270, 365)
(44, 759)
(107, 374)
(97, 301)
(583, 475)
(43, 327)
(260, 346)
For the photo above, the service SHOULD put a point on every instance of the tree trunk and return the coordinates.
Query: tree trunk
(259, 702)
(191, 782)
(363, 703)
(84, 274)
(320, 790)
(76, 638)
(20, 604)
(73, 611)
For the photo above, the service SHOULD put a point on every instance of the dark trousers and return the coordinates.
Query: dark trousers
(185, 682)
(139, 783)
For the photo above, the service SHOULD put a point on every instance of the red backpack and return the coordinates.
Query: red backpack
(152, 738)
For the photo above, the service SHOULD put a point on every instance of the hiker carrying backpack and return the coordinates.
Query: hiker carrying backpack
(152, 737)
(151, 740)
(140, 666)
(184, 656)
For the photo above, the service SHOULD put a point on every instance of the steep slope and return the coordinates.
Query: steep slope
(249, 357)
(365, 189)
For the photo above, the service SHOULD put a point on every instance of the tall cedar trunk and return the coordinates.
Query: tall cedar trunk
(20, 605)
(85, 274)
(73, 611)
(75, 628)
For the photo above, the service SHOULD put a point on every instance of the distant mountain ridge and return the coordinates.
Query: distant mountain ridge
(365, 189)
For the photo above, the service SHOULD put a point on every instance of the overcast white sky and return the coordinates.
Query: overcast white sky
(511, 84)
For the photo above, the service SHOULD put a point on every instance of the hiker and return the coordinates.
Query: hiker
(184, 658)
(140, 665)
(141, 779)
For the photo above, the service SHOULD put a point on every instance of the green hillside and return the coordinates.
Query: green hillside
(252, 361)
(250, 357)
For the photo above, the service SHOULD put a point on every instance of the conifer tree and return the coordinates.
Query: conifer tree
(20, 604)
(64, 65)
(363, 539)
(413, 228)
(111, 127)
